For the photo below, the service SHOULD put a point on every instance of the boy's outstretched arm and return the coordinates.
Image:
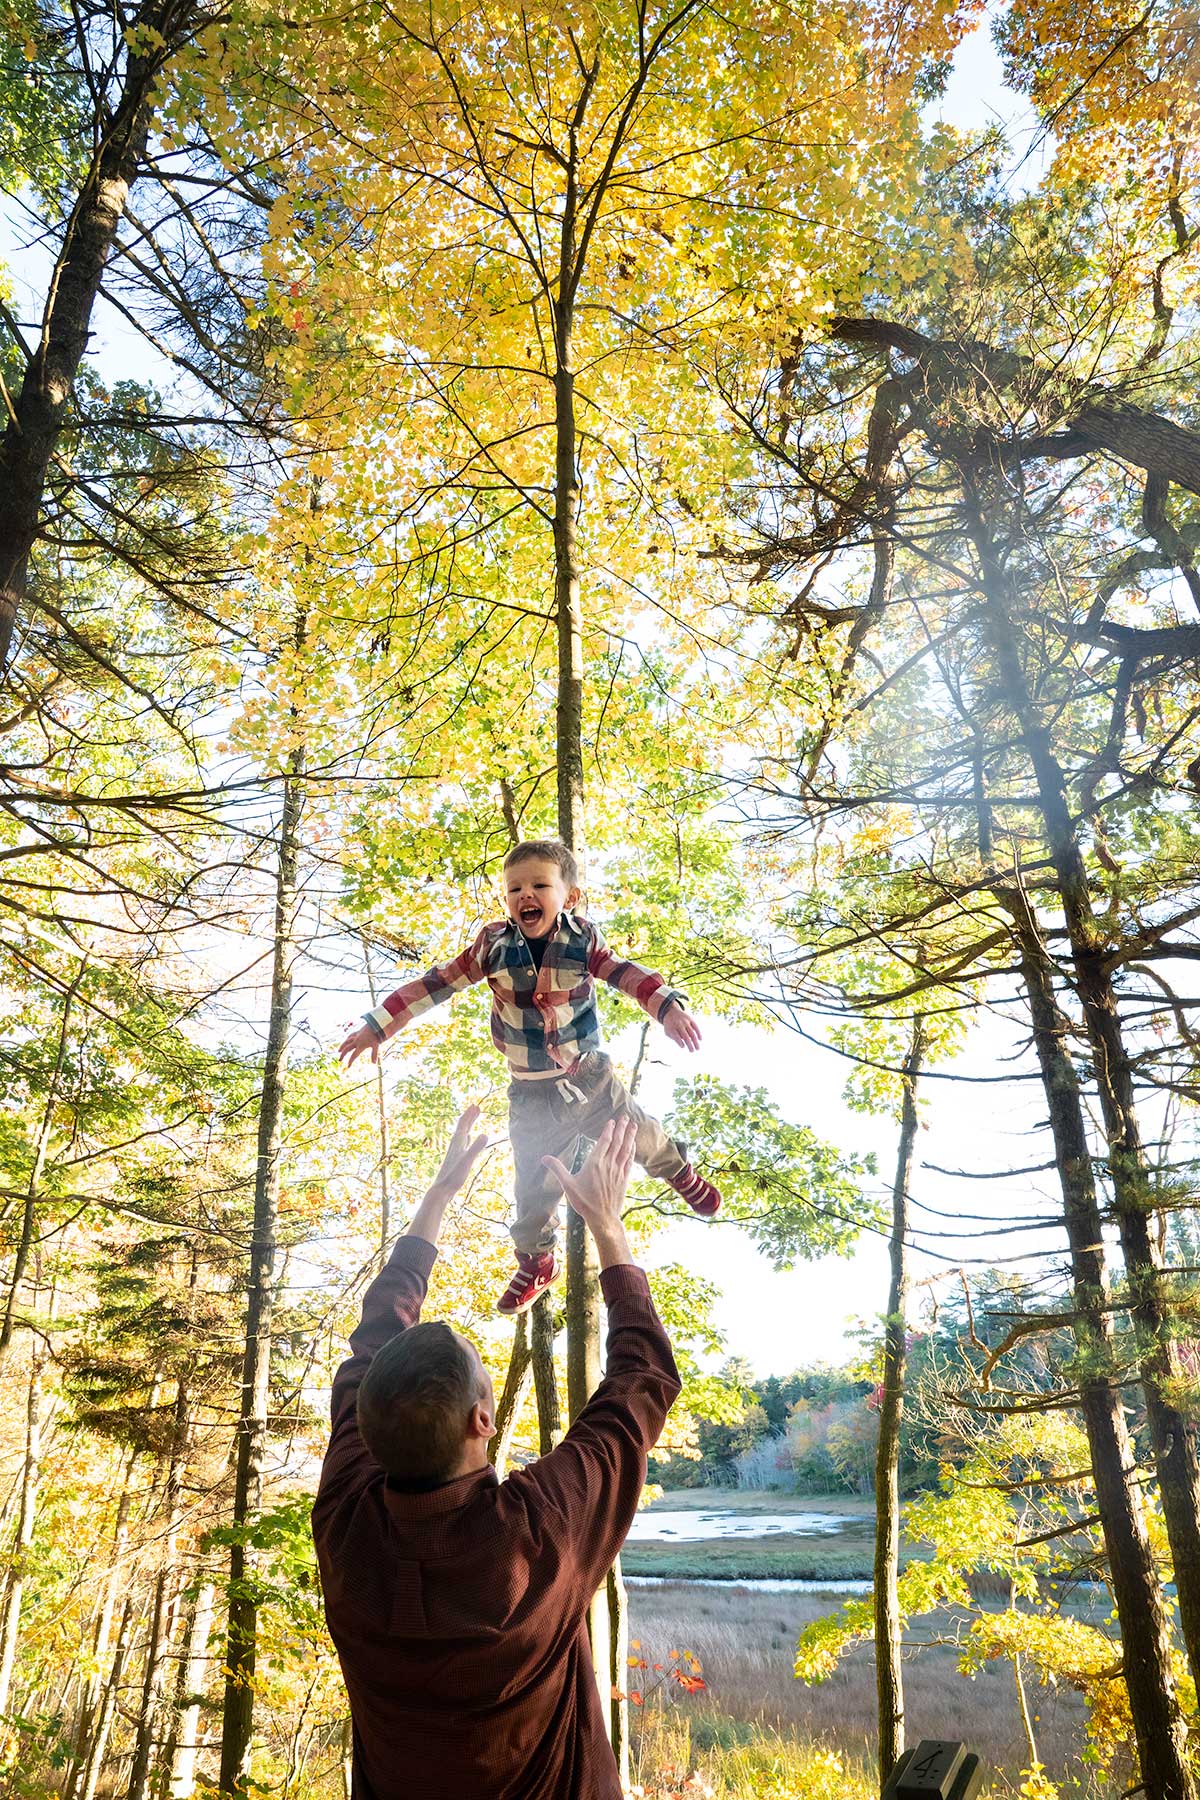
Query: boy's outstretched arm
(412, 999)
(648, 989)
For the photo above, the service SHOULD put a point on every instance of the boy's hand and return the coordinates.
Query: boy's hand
(358, 1041)
(681, 1028)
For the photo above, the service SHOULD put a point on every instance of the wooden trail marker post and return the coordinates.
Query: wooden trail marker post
(938, 1769)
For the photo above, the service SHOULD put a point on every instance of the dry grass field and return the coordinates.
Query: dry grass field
(745, 1642)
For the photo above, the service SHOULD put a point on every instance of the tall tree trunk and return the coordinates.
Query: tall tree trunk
(184, 1741)
(618, 1671)
(241, 1644)
(889, 1680)
(346, 1758)
(517, 1384)
(108, 1706)
(39, 410)
(25, 1241)
(618, 1593)
(1157, 1720)
(583, 1287)
(385, 1196)
(545, 1379)
(1176, 1450)
(31, 1469)
(583, 1301)
(90, 1692)
(162, 1608)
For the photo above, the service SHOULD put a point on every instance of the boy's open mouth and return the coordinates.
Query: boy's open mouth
(530, 915)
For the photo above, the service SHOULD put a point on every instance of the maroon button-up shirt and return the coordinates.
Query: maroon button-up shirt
(459, 1615)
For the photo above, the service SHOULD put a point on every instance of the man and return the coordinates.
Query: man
(457, 1603)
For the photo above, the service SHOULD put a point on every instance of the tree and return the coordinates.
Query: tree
(1014, 1504)
(143, 223)
(558, 272)
(124, 73)
(260, 1302)
(981, 674)
(888, 1675)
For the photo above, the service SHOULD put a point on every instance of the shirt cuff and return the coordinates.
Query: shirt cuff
(378, 1021)
(624, 1281)
(415, 1253)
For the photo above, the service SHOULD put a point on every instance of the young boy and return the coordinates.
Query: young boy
(541, 964)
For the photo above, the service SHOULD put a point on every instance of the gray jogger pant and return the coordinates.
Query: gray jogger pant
(548, 1118)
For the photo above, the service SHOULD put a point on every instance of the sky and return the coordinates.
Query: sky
(780, 1321)
(777, 1321)
(976, 95)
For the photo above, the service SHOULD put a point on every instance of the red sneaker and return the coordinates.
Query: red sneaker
(536, 1269)
(701, 1195)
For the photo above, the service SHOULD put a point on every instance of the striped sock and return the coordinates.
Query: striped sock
(700, 1195)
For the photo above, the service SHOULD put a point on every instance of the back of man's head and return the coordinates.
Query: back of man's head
(414, 1404)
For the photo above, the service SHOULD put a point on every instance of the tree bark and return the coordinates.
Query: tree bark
(31, 1470)
(40, 408)
(89, 1697)
(583, 1288)
(1157, 1719)
(568, 611)
(516, 1386)
(618, 1629)
(25, 1241)
(545, 1380)
(346, 1759)
(1095, 418)
(108, 1706)
(241, 1645)
(193, 1684)
(162, 1607)
(889, 1682)
(1176, 1453)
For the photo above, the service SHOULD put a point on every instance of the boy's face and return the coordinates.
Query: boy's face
(535, 893)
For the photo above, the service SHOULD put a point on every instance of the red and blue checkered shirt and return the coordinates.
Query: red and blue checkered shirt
(542, 1019)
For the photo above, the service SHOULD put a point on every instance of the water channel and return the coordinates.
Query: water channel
(660, 1527)
(667, 1526)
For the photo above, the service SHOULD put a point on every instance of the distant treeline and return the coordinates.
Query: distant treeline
(816, 1430)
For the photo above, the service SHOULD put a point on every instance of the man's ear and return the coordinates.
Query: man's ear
(480, 1423)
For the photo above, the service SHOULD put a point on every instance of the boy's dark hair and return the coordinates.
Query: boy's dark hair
(415, 1401)
(549, 850)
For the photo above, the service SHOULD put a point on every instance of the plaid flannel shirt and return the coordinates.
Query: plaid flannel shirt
(542, 1019)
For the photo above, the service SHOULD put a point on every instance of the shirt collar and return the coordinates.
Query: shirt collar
(409, 1508)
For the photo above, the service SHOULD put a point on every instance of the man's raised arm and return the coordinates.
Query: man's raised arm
(393, 1301)
(594, 1479)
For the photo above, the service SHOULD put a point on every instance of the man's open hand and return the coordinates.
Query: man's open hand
(597, 1191)
(358, 1041)
(463, 1152)
(681, 1028)
(465, 1148)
